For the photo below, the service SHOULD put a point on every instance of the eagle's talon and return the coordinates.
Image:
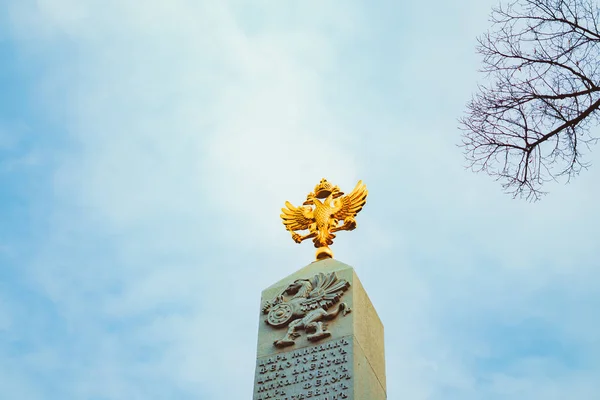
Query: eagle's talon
(297, 238)
(350, 224)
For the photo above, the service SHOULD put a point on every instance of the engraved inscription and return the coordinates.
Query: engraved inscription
(321, 372)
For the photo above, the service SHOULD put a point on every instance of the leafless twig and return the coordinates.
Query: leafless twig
(531, 122)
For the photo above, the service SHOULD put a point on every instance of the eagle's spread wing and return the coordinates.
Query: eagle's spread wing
(296, 218)
(350, 205)
(327, 291)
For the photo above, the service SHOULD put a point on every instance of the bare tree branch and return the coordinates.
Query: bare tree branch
(528, 124)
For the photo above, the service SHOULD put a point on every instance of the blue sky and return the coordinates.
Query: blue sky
(145, 152)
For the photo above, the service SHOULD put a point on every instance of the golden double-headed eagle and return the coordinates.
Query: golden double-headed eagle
(323, 218)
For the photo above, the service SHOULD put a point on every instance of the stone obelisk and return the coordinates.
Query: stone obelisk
(319, 336)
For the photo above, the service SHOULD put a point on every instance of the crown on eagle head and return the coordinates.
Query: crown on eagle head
(324, 189)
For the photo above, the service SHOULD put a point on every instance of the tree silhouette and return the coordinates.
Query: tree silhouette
(531, 122)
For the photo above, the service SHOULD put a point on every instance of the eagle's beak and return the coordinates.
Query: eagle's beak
(309, 200)
(337, 192)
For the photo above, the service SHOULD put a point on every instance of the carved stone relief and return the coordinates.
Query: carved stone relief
(303, 306)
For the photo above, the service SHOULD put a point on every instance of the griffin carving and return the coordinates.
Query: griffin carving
(306, 307)
(322, 218)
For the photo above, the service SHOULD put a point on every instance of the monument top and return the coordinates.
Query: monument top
(320, 338)
(323, 220)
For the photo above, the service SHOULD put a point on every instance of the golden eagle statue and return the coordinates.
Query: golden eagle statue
(323, 220)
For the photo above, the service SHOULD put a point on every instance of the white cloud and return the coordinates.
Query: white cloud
(191, 123)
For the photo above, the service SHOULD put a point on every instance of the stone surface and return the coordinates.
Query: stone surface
(349, 364)
(319, 371)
